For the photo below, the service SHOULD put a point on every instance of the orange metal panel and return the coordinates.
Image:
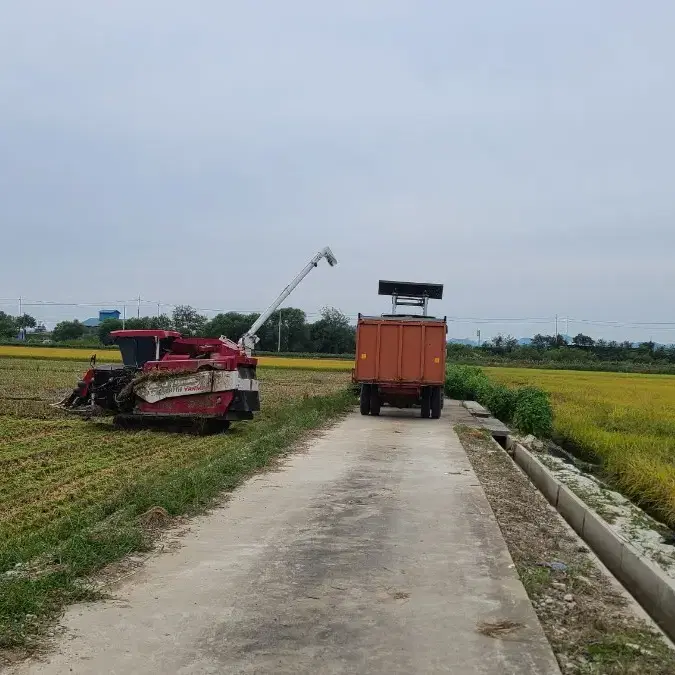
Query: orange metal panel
(366, 352)
(411, 351)
(389, 363)
(434, 354)
(400, 351)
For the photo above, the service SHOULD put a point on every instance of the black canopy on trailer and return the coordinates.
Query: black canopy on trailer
(411, 289)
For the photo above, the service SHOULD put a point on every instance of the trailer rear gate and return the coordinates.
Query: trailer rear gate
(400, 351)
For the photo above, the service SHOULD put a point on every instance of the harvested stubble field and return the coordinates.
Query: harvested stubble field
(71, 491)
(113, 356)
(626, 420)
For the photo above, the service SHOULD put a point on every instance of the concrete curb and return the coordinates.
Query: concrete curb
(648, 584)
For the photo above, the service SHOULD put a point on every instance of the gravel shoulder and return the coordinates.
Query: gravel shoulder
(591, 624)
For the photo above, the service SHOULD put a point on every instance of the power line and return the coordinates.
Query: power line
(158, 306)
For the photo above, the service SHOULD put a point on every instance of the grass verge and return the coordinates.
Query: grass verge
(43, 568)
(528, 409)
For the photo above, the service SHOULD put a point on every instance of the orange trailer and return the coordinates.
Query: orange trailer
(400, 358)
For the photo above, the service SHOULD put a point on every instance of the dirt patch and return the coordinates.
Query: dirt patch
(589, 623)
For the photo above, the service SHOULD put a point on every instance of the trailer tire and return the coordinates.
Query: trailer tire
(436, 402)
(364, 401)
(426, 403)
(375, 401)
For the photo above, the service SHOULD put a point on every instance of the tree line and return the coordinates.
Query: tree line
(11, 326)
(331, 334)
(581, 348)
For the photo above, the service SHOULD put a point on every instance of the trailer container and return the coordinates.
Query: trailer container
(400, 359)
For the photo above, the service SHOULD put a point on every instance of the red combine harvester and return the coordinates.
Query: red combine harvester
(207, 381)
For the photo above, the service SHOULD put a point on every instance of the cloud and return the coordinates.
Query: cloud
(520, 153)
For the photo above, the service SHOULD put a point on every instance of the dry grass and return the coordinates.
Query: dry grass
(626, 420)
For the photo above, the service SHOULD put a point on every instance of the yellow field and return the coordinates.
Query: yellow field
(626, 419)
(113, 356)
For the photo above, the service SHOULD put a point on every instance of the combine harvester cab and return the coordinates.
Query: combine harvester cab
(400, 358)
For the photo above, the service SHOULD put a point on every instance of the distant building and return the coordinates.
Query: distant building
(103, 314)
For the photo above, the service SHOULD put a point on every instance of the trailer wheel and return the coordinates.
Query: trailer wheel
(365, 399)
(426, 403)
(375, 401)
(436, 402)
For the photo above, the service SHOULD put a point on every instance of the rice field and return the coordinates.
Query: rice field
(51, 464)
(113, 356)
(626, 420)
(71, 491)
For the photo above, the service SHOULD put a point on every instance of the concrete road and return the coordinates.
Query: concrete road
(373, 551)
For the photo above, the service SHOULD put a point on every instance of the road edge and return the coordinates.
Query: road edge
(653, 589)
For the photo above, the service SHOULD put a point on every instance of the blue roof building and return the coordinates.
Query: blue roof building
(103, 314)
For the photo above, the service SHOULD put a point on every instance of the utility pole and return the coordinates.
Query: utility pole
(138, 314)
(567, 325)
(159, 309)
(279, 340)
(478, 335)
(20, 307)
(556, 328)
(124, 316)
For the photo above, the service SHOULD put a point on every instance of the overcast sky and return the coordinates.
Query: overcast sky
(519, 152)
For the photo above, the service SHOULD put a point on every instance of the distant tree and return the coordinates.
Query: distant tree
(510, 344)
(332, 333)
(106, 327)
(647, 346)
(294, 331)
(8, 327)
(25, 321)
(161, 322)
(188, 320)
(457, 351)
(68, 330)
(501, 344)
(497, 344)
(661, 353)
(540, 341)
(582, 340)
(137, 323)
(230, 324)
